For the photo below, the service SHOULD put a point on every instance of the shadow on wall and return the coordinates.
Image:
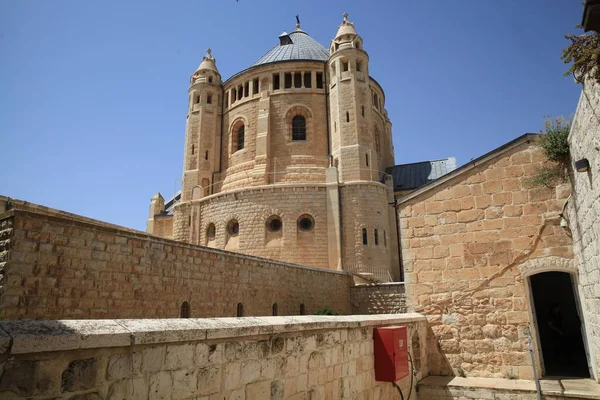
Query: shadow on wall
(436, 358)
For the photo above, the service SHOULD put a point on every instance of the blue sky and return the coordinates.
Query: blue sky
(93, 94)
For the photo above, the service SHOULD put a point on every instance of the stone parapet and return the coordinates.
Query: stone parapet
(379, 298)
(322, 357)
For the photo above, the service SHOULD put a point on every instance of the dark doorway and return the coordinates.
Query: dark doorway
(559, 325)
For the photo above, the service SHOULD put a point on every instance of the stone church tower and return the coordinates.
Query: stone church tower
(286, 160)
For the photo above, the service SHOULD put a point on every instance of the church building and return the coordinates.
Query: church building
(286, 160)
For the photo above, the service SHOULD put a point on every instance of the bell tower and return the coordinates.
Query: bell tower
(352, 140)
(201, 153)
(202, 138)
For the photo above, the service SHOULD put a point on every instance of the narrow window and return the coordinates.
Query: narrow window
(345, 66)
(238, 138)
(184, 310)
(255, 86)
(209, 99)
(307, 80)
(347, 116)
(362, 111)
(210, 79)
(240, 310)
(384, 239)
(376, 237)
(365, 238)
(358, 66)
(298, 128)
(275, 81)
(247, 89)
(319, 80)
(333, 69)
(211, 232)
(206, 155)
(226, 99)
(190, 220)
(335, 126)
(197, 99)
(275, 311)
(240, 92)
(367, 159)
(233, 95)
(377, 143)
(287, 80)
(297, 80)
(193, 148)
(302, 309)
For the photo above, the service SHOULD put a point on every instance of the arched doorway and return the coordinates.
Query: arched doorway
(559, 325)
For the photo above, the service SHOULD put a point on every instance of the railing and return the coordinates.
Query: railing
(368, 272)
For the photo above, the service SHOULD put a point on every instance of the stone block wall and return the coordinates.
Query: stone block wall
(583, 209)
(379, 298)
(469, 244)
(58, 267)
(206, 359)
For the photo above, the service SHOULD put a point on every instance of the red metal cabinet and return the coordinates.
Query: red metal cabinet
(391, 353)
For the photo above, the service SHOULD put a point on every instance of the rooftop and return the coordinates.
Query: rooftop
(297, 45)
(414, 175)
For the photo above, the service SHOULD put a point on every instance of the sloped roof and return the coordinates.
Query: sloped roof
(415, 175)
(302, 47)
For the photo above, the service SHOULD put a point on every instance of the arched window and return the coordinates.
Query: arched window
(367, 159)
(347, 116)
(376, 237)
(206, 155)
(233, 228)
(275, 312)
(306, 222)
(302, 309)
(193, 149)
(238, 137)
(298, 128)
(365, 237)
(240, 310)
(210, 79)
(210, 232)
(384, 238)
(184, 311)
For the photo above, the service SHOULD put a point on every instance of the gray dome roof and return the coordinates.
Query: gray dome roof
(302, 47)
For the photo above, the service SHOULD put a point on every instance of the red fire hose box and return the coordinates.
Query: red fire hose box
(391, 353)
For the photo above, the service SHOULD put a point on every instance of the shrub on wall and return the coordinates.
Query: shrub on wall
(326, 311)
(556, 149)
(584, 53)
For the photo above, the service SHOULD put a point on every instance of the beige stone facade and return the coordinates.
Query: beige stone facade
(583, 210)
(300, 140)
(57, 266)
(206, 359)
(469, 242)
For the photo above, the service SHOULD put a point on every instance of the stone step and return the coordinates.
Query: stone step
(451, 387)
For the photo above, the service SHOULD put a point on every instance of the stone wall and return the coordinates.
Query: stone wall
(469, 243)
(584, 209)
(380, 298)
(58, 267)
(206, 359)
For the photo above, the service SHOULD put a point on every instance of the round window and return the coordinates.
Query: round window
(233, 227)
(274, 224)
(305, 222)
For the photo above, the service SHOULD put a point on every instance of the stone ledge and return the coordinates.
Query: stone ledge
(561, 388)
(44, 336)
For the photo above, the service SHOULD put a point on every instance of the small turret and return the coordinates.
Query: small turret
(345, 37)
(207, 71)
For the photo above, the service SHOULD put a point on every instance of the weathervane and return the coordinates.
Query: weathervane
(297, 22)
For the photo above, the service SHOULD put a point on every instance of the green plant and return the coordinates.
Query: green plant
(510, 375)
(326, 311)
(584, 53)
(461, 372)
(555, 144)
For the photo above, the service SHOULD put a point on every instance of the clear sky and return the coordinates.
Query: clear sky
(93, 95)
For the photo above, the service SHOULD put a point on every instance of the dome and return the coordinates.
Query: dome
(294, 46)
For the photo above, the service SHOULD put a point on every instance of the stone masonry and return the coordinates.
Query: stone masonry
(469, 242)
(53, 266)
(583, 209)
(382, 298)
(205, 359)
